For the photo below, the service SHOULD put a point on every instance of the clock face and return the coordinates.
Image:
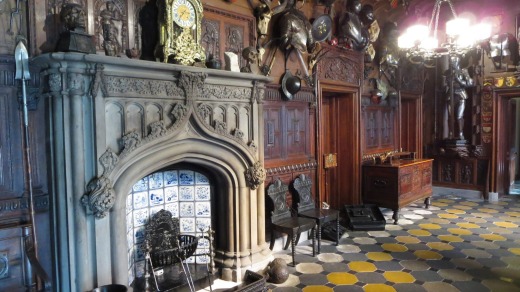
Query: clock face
(183, 13)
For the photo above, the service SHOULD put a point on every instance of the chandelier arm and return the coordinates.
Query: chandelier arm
(437, 12)
(434, 13)
(452, 8)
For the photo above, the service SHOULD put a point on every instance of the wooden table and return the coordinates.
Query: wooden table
(398, 183)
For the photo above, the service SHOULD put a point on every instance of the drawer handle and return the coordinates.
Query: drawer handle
(380, 183)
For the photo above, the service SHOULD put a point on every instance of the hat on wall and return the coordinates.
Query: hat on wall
(290, 84)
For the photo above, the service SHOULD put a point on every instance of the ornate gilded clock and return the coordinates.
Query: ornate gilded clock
(180, 32)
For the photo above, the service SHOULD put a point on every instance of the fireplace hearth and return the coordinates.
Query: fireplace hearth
(113, 121)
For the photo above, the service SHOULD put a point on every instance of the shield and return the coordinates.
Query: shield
(321, 27)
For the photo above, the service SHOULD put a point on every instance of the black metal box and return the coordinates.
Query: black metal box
(365, 217)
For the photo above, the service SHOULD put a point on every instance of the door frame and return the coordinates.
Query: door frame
(500, 139)
(324, 88)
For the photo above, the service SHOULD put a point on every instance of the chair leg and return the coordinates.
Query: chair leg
(297, 238)
(292, 248)
(313, 241)
(319, 237)
(271, 246)
(287, 242)
(337, 231)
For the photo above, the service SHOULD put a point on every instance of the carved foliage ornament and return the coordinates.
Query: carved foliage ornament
(100, 196)
(255, 175)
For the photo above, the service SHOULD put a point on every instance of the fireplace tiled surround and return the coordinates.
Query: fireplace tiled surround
(113, 121)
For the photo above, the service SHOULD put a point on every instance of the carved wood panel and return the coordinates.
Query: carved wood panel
(225, 31)
(379, 129)
(273, 141)
(296, 123)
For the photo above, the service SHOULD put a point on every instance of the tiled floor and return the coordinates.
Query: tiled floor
(456, 245)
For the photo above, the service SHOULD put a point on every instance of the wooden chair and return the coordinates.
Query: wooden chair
(307, 208)
(283, 221)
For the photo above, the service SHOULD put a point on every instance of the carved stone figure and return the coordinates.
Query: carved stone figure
(111, 25)
(73, 17)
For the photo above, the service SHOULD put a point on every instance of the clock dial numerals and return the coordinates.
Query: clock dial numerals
(183, 13)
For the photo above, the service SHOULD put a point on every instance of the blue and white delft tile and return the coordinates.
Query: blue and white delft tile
(156, 197)
(203, 209)
(201, 179)
(129, 203)
(130, 276)
(141, 185)
(173, 208)
(202, 193)
(130, 239)
(202, 259)
(171, 194)
(140, 200)
(139, 235)
(140, 217)
(186, 177)
(155, 180)
(129, 222)
(203, 224)
(187, 225)
(130, 258)
(140, 251)
(139, 269)
(171, 178)
(154, 210)
(187, 209)
(203, 244)
(186, 193)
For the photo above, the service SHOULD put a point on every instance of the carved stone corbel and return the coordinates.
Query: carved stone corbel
(100, 196)
(192, 83)
(255, 175)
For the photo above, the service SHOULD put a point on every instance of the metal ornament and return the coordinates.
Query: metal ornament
(290, 84)
(321, 27)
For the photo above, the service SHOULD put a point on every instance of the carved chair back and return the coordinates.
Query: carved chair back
(303, 187)
(278, 192)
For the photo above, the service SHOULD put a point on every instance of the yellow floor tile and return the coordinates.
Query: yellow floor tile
(506, 224)
(448, 216)
(407, 239)
(515, 250)
(362, 267)
(394, 247)
(450, 238)
(429, 226)
(317, 288)
(341, 278)
(379, 256)
(468, 225)
(439, 246)
(493, 237)
(378, 288)
(399, 277)
(419, 232)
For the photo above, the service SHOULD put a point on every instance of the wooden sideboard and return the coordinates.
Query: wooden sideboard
(397, 184)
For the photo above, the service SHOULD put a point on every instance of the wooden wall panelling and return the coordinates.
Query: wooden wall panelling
(225, 31)
(411, 126)
(379, 129)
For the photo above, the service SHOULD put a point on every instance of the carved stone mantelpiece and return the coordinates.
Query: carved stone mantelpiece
(116, 120)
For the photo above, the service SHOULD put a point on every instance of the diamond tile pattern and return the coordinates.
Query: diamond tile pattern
(457, 244)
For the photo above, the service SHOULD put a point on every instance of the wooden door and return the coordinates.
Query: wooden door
(339, 135)
(411, 127)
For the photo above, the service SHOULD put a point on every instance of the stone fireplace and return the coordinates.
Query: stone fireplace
(113, 121)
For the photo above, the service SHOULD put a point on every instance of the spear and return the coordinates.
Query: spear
(22, 73)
